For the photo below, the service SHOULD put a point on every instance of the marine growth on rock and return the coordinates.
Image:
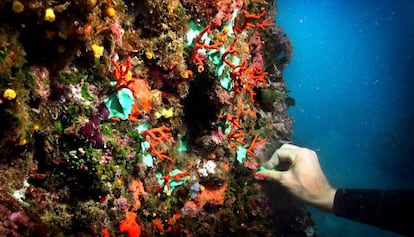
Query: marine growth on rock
(142, 118)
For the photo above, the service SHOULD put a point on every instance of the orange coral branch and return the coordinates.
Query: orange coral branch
(265, 23)
(137, 189)
(139, 87)
(177, 177)
(252, 79)
(233, 119)
(171, 222)
(247, 17)
(158, 137)
(255, 144)
(244, 78)
(198, 44)
(236, 135)
(158, 224)
(230, 51)
(122, 73)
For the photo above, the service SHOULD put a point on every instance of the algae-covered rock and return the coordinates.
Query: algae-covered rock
(128, 118)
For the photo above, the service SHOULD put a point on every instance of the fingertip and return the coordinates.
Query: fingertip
(273, 175)
(265, 174)
(286, 152)
(258, 176)
(280, 155)
(272, 162)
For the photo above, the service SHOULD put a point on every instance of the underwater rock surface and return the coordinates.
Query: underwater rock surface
(143, 118)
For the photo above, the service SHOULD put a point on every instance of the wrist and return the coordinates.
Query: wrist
(325, 200)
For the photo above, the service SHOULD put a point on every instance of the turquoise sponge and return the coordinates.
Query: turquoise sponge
(120, 104)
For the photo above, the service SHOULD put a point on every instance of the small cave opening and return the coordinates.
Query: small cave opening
(201, 107)
(44, 47)
(81, 183)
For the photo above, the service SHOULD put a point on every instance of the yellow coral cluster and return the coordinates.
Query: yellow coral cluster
(9, 94)
(17, 6)
(166, 113)
(50, 15)
(110, 12)
(97, 50)
(149, 54)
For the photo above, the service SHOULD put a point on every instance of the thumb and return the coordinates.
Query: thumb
(271, 175)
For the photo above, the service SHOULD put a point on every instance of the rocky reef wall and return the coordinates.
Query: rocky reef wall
(142, 118)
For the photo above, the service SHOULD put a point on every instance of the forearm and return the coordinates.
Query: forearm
(390, 210)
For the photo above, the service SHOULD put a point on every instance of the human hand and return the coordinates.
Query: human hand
(303, 178)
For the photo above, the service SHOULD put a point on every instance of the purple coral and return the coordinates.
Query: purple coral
(92, 129)
(19, 217)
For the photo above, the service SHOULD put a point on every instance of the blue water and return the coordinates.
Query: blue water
(352, 76)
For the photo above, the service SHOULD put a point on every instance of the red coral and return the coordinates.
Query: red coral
(137, 189)
(231, 51)
(122, 73)
(255, 145)
(158, 137)
(197, 57)
(105, 232)
(248, 21)
(171, 223)
(236, 134)
(245, 76)
(177, 177)
(139, 87)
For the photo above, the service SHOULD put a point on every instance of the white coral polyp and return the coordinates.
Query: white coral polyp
(207, 168)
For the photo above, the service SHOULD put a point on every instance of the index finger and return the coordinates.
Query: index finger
(287, 152)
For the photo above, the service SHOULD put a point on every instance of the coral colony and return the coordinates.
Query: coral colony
(142, 118)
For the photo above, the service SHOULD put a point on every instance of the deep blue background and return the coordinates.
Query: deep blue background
(352, 77)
